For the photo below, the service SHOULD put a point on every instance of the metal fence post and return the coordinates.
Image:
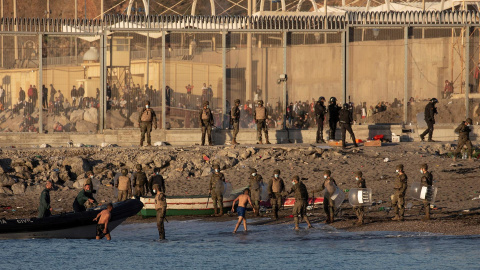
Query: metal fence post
(224, 80)
(344, 64)
(103, 81)
(164, 83)
(405, 75)
(284, 105)
(40, 82)
(467, 71)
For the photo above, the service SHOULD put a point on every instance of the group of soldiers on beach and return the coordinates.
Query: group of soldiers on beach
(336, 115)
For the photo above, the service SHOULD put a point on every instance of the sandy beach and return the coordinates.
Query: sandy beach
(187, 171)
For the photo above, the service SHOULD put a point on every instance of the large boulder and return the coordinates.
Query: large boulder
(76, 115)
(115, 119)
(134, 118)
(76, 166)
(6, 180)
(18, 188)
(62, 119)
(91, 115)
(84, 126)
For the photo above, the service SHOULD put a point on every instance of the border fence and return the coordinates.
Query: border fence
(64, 75)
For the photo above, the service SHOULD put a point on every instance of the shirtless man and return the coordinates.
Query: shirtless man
(241, 209)
(102, 226)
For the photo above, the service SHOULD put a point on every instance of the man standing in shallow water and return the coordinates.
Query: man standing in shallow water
(242, 208)
(103, 219)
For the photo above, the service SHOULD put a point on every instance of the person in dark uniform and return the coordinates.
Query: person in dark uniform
(430, 111)
(329, 187)
(235, 120)
(161, 208)
(146, 119)
(301, 201)
(255, 180)
(44, 209)
(320, 110)
(426, 181)
(276, 187)
(156, 179)
(260, 116)
(216, 188)
(360, 210)
(45, 97)
(463, 131)
(398, 198)
(84, 196)
(333, 116)
(346, 124)
(139, 182)
(206, 122)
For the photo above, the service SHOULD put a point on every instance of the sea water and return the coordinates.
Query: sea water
(196, 244)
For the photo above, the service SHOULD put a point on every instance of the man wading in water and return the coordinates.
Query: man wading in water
(103, 219)
(242, 208)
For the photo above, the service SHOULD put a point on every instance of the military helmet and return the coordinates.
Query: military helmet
(156, 169)
(321, 98)
(434, 100)
(469, 121)
(399, 167)
(359, 174)
(424, 166)
(237, 101)
(89, 173)
(345, 106)
(138, 167)
(327, 173)
(260, 102)
(296, 178)
(333, 99)
(147, 102)
(216, 166)
(124, 172)
(206, 103)
(253, 170)
(277, 171)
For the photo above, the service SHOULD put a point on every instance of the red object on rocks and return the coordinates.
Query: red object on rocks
(378, 137)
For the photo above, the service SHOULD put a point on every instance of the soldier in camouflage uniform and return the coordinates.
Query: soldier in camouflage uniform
(216, 189)
(161, 208)
(255, 180)
(301, 201)
(426, 181)
(139, 182)
(276, 187)
(260, 116)
(463, 131)
(398, 198)
(206, 122)
(360, 210)
(235, 120)
(124, 186)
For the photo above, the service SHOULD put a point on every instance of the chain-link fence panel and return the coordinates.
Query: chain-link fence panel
(376, 75)
(193, 77)
(314, 68)
(436, 70)
(19, 90)
(71, 84)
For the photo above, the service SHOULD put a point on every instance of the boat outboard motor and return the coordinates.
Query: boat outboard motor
(360, 196)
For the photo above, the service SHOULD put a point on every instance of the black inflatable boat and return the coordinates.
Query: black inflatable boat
(67, 225)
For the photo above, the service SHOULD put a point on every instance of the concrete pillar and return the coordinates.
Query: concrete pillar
(248, 69)
(344, 40)
(103, 81)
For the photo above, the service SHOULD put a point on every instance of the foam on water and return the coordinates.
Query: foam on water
(195, 244)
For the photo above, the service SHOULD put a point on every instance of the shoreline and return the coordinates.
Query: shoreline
(448, 224)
